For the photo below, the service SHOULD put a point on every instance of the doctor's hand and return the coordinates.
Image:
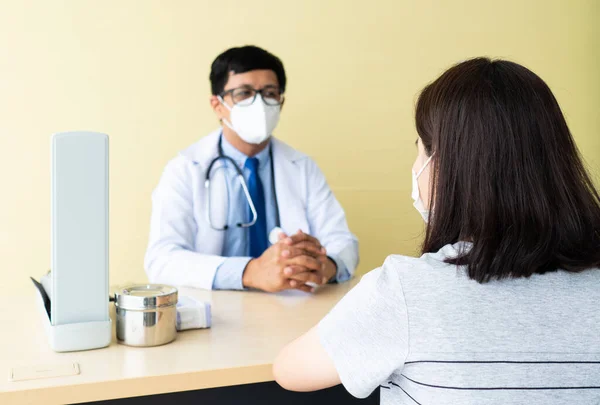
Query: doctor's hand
(269, 272)
(307, 242)
(310, 245)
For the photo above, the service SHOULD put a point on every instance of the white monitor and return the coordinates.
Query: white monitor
(79, 220)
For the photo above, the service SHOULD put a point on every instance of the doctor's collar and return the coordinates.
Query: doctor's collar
(229, 150)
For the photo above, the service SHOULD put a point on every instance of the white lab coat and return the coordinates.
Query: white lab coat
(184, 250)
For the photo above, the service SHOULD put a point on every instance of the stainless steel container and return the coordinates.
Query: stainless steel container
(146, 315)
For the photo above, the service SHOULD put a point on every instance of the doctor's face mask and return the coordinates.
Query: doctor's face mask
(251, 104)
(255, 118)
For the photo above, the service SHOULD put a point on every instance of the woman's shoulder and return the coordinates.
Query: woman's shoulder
(398, 270)
(428, 261)
(432, 270)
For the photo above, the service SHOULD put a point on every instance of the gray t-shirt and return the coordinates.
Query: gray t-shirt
(427, 334)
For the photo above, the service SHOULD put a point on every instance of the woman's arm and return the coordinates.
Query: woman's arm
(303, 365)
(361, 342)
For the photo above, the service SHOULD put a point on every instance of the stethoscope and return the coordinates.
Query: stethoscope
(240, 177)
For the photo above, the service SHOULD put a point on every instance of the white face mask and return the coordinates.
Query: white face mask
(253, 123)
(416, 195)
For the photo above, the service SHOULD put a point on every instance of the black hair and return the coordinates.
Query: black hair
(507, 175)
(244, 59)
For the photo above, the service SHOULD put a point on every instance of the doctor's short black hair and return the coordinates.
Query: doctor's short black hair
(244, 59)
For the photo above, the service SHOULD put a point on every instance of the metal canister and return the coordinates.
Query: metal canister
(146, 314)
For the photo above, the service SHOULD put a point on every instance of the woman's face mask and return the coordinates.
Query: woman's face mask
(420, 181)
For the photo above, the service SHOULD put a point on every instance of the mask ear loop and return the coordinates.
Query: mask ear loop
(227, 123)
(417, 176)
(223, 102)
(425, 165)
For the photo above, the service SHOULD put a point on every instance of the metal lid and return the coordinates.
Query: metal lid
(146, 296)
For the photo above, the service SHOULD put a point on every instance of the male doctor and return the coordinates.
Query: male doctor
(280, 228)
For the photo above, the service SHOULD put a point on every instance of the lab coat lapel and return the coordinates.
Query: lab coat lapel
(289, 179)
(209, 240)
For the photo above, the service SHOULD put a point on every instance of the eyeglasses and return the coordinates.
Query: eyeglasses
(245, 96)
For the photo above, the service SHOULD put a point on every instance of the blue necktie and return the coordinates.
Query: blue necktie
(258, 231)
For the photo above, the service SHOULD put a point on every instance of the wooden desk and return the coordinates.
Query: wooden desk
(249, 329)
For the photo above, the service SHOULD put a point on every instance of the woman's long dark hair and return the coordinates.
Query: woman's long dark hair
(506, 175)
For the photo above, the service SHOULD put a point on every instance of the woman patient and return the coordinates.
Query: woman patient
(502, 307)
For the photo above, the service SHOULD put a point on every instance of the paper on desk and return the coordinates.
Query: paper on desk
(43, 371)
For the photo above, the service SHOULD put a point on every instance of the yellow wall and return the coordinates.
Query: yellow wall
(138, 70)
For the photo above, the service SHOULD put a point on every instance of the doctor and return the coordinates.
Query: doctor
(241, 209)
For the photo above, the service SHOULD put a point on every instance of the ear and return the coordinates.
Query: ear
(282, 103)
(218, 107)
